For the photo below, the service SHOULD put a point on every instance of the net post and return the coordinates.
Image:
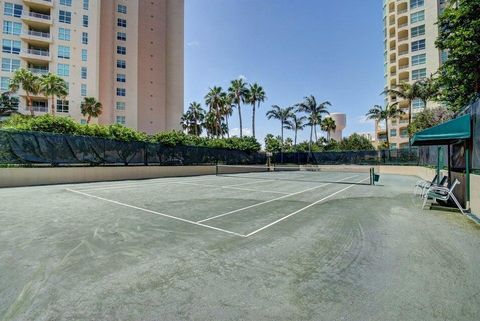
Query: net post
(216, 168)
(372, 177)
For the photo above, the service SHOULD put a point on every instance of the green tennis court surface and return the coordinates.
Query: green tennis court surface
(243, 245)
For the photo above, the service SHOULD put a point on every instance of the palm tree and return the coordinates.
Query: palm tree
(328, 125)
(255, 95)
(214, 99)
(315, 112)
(53, 86)
(211, 124)
(378, 113)
(226, 110)
(91, 107)
(30, 83)
(193, 119)
(406, 91)
(8, 105)
(297, 123)
(427, 89)
(282, 114)
(238, 90)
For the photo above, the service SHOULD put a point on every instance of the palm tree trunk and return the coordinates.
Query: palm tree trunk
(240, 117)
(89, 119)
(281, 147)
(296, 133)
(311, 138)
(316, 137)
(253, 120)
(53, 105)
(30, 105)
(386, 129)
(228, 126)
(409, 122)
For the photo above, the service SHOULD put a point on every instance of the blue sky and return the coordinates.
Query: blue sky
(293, 48)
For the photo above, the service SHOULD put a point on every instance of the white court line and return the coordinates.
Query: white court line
(304, 208)
(228, 187)
(138, 185)
(273, 200)
(156, 213)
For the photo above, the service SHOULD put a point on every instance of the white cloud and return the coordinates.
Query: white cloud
(193, 44)
(236, 132)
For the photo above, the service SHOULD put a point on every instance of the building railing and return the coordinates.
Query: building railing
(38, 16)
(43, 53)
(403, 67)
(402, 38)
(39, 71)
(403, 52)
(403, 25)
(38, 33)
(402, 11)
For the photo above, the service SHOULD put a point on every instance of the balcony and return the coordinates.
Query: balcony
(36, 37)
(39, 71)
(39, 4)
(37, 20)
(36, 55)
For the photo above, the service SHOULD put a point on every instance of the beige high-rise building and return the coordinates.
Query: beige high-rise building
(410, 55)
(127, 54)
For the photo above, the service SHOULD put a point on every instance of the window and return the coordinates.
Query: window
(4, 83)
(63, 70)
(11, 46)
(393, 145)
(419, 60)
(62, 106)
(84, 54)
(419, 74)
(40, 106)
(122, 36)
(417, 104)
(64, 34)
(393, 132)
(83, 121)
(418, 45)
(84, 72)
(85, 21)
(121, 8)
(404, 132)
(66, 2)
(444, 56)
(65, 16)
(10, 65)
(418, 31)
(121, 64)
(120, 105)
(12, 10)
(121, 92)
(121, 22)
(83, 90)
(64, 52)
(416, 3)
(85, 4)
(12, 28)
(85, 38)
(121, 120)
(121, 78)
(417, 16)
(121, 50)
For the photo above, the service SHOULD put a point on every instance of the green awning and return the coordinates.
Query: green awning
(444, 134)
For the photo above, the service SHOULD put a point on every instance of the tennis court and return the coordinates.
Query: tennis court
(251, 243)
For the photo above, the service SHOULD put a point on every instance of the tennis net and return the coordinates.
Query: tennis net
(341, 174)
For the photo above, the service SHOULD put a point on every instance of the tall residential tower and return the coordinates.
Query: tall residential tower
(127, 54)
(410, 32)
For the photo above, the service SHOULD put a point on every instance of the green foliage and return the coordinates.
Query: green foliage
(429, 118)
(273, 144)
(459, 35)
(355, 142)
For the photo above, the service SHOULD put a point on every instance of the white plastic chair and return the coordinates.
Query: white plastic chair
(442, 193)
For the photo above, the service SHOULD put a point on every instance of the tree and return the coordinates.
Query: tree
(314, 111)
(255, 95)
(328, 125)
(193, 119)
(459, 36)
(8, 104)
(53, 86)
(226, 110)
(91, 107)
(355, 142)
(297, 123)
(282, 114)
(427, 90)
(273, 144)
(408, 92)
(214, 99)
(238, 91)
(378, 113)
(30, 83)
(428, 118)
